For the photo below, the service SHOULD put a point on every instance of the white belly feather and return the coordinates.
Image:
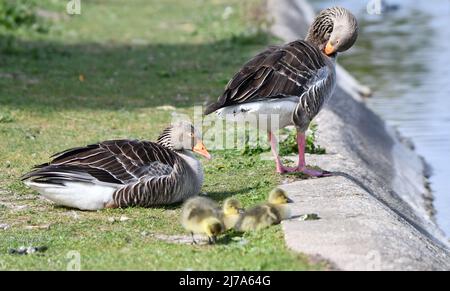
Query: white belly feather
(84, 196)
(277, 111)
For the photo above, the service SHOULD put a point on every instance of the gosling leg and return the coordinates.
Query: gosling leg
(193, 239)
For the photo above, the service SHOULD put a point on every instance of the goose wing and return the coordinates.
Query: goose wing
(277, 72)
(115, 161)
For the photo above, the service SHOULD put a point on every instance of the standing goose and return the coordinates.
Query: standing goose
(120, 173)
(292, 81)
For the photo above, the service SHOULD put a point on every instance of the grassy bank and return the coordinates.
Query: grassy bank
(111, 72)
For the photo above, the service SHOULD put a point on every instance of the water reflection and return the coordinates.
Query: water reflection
(403, 56)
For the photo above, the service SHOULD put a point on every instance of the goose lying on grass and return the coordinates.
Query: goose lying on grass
(291, 82)
(121, 173)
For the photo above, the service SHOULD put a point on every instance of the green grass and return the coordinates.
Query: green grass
(106, 74)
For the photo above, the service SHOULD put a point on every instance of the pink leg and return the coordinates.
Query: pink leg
(301, 167)
(273, 146)
(301, 143)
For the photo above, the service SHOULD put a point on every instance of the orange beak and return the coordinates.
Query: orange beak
(200, 148)
(329, 49)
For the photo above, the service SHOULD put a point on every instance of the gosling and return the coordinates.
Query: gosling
(231, 211)
(201, 215)
(266, 214)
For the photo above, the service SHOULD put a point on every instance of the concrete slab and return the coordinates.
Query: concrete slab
(376, 209)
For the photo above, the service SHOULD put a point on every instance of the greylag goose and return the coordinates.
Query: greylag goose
(120, 173)
(202, 215)
(269, 213)
(292, 81)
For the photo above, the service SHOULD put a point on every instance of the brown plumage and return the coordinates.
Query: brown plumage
(276, 73)
(291, 81)
(120, 173)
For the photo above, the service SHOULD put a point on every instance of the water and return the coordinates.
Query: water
(404, 56)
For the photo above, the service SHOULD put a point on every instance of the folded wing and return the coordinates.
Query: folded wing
(117, 162)
(277, 72)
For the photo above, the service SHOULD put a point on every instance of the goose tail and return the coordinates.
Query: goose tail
(68, 187)
(213, 107)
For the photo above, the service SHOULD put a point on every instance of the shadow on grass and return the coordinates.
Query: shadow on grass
(222, 195)
(49, 75)
(229, 236)
(218, 196)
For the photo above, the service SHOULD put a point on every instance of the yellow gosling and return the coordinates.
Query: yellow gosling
(232, 211)
(201, 215)
(265, 214)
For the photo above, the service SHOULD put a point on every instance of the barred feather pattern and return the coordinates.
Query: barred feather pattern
(321, 29)
(312, 101)
(298, 69)
(166, 139)
(295, 69)
(144, 173)
(323, 25)
(154, 190)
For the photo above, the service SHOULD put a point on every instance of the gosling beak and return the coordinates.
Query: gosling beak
(329, 49)
(289, 200)
(200, 148)
(241, 210)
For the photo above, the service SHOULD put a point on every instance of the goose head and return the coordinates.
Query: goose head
(333, 30)
(278, 196)
(232, 206)
(182, 136)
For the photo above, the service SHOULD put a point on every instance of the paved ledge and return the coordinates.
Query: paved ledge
(375, 211)
(355, 231)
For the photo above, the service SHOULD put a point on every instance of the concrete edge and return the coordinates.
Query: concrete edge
(402, 202)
